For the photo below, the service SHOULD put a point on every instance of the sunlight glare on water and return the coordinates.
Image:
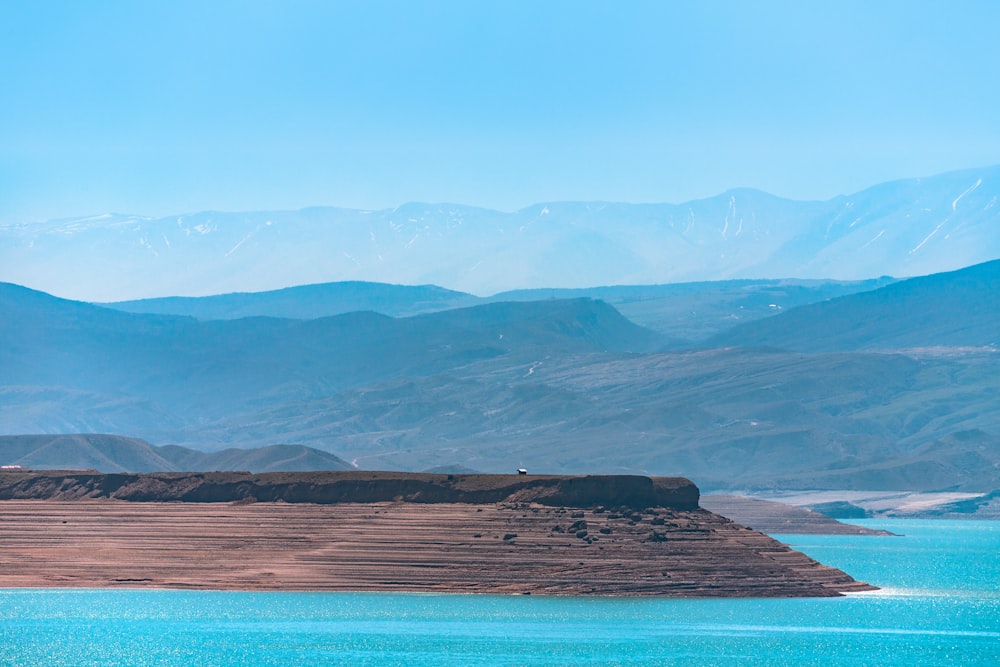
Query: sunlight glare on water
(951, 618)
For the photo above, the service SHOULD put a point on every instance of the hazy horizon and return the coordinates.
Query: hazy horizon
(236, 106)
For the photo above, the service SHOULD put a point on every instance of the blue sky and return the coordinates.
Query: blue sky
(171, 107)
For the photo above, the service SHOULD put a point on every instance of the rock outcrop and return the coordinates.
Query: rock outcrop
(398, 532)
(355, 487)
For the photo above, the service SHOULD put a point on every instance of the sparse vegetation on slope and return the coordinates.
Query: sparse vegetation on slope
(566, 386)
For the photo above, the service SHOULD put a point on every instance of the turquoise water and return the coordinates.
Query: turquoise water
(940, 606)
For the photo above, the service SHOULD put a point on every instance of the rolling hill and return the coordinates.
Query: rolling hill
(731, 419)
(308, 302)
(558, 385)
(114, 453)
(683, 313)
(955, 309)
(55, 354)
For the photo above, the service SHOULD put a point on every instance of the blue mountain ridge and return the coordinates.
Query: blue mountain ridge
(901, 228)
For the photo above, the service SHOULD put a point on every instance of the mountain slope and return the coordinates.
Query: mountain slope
(731, 419)
(901, 228)
(955, 309)
(192, 370)
(113, 453)
(694, 311)
(564, 386)
(682, 312)
(307, 302)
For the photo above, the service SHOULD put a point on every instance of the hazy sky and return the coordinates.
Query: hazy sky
(174, 106)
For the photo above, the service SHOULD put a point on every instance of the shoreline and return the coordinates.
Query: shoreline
(773, 517)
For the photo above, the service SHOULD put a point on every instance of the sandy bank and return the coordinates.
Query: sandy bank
(443, 547)
(773, 517)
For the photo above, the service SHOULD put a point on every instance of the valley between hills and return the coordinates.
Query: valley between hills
(741, 386)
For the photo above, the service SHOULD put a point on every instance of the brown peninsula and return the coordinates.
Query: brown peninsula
(383, 531)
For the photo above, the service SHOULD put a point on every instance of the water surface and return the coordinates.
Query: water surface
(939, 606)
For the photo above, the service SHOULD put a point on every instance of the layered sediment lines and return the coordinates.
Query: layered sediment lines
(515, 545)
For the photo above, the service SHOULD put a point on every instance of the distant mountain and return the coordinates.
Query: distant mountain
(307, 302)
(902, 228)
(955, 309)
(691, 312)
(559, 385)
(57, 355)
(683, 312)
(270, 458)
(113, 453)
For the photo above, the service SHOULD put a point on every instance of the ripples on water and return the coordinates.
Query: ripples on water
(939, 606)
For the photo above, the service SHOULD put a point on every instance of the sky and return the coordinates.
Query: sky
(157, 108)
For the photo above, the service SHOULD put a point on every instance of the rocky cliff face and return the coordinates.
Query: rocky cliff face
(387, 531)
(629, 491)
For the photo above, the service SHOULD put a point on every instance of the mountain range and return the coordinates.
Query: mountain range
(955, 309)
(890, 387)
(902, 228)
(684, 312)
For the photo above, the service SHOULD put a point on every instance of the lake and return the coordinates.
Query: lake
(939, 605)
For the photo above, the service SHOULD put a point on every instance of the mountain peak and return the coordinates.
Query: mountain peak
(904, 228)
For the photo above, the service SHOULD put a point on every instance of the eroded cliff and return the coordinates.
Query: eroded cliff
(355, 487)
(596, 535)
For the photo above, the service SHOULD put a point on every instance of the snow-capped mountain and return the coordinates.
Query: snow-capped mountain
(901, 228)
